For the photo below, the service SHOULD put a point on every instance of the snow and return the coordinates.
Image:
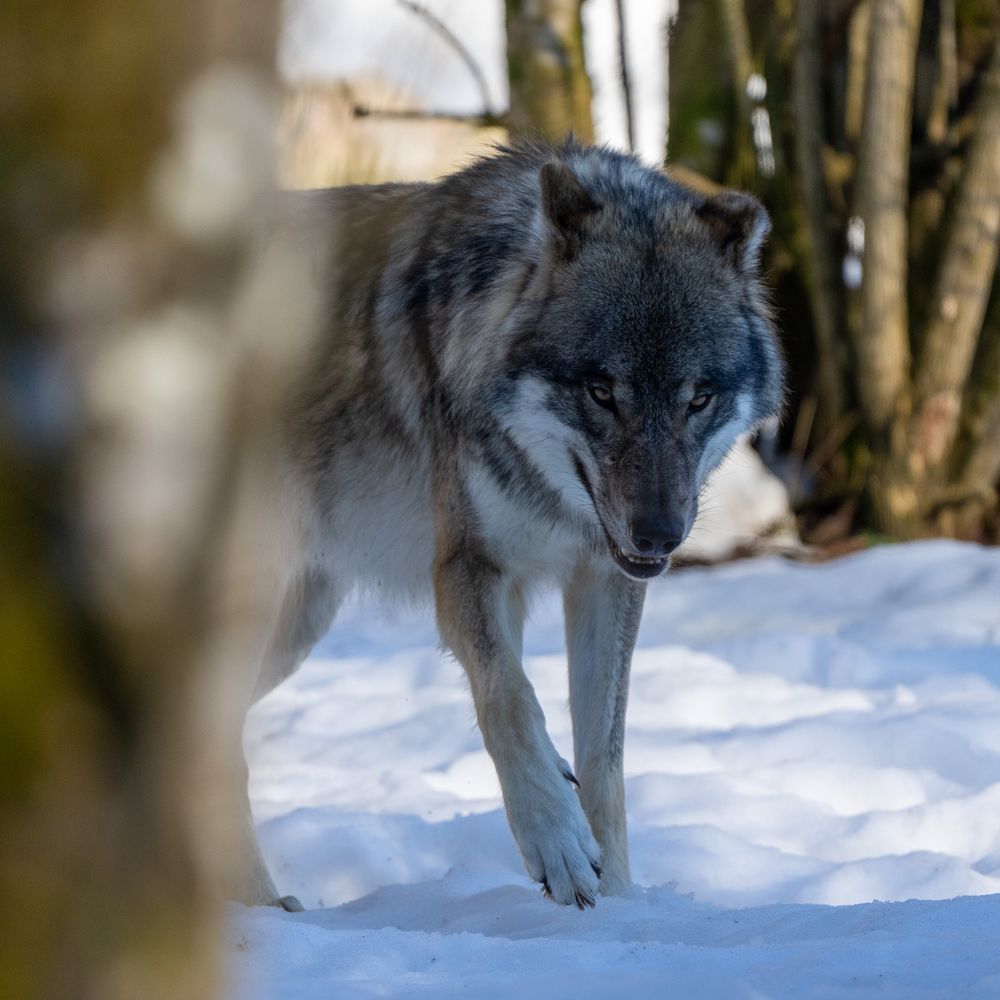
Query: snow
(802, 741)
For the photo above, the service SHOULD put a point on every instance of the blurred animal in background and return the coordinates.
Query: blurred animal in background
(525, 374)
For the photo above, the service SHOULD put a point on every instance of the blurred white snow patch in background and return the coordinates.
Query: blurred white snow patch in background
(646, 26)
(744, 507)
(797, 735)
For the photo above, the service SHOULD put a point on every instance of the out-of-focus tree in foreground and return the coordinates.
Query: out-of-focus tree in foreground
(143, 350)
(871, 128)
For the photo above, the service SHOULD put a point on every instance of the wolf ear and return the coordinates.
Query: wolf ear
(566, 204)
(739, 224)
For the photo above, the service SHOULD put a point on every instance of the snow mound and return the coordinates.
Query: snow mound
(802, 741)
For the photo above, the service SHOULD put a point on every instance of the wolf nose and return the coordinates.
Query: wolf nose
(656, 534)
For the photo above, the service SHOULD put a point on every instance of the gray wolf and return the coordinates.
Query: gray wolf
(525, 374)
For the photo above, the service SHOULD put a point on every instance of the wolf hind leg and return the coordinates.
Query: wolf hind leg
(247, 879)
(603, 608)
(308, 607)
(307, 611)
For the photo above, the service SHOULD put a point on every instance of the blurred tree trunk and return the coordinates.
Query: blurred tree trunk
(882, 181)
(968, 263)
(550, 92)
(121, 452)
(704, 124)
(881, 338)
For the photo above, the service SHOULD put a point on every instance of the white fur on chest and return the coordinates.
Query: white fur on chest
(532, 548)
(380, 533)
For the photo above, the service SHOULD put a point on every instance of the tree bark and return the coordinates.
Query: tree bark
(881, 332)
(968, 263)
(882, 343)
(550, 91)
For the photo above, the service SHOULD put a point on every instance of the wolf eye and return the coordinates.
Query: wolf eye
(699, 402)
(601, 394)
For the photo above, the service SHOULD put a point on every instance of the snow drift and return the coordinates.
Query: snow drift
(798, 735)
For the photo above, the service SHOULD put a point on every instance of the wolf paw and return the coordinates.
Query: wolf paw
(558, 848)
(580, 897)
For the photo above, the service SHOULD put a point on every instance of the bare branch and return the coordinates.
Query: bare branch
(625, 76)
(457, 45)
(484, 119)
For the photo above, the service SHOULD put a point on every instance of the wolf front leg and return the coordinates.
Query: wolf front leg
(480, 616)
(603, 608)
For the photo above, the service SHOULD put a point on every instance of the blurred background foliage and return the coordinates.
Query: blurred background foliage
(885, 127)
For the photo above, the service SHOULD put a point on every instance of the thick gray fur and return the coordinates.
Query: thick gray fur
(525, 374)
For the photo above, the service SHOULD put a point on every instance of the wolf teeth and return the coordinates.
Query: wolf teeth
(651, 560)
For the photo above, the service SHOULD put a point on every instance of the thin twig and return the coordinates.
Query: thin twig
(484, 119)
(625, 76)
(436, 24)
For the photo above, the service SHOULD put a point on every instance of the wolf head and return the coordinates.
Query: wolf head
(646, 349)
